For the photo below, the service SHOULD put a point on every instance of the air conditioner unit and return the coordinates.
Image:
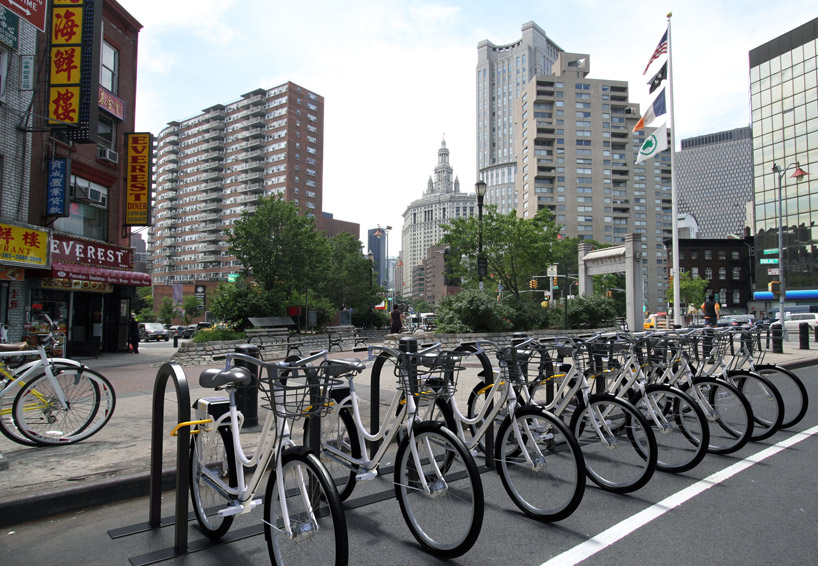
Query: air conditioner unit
(107, 154)
(97, 196)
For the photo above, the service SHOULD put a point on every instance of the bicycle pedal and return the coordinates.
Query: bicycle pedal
(233, 509)
(363, 476)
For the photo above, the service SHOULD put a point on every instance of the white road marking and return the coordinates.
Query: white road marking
(629, 525)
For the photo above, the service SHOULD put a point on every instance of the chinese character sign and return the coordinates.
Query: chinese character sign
(74, 67)
(24, 245)
(138, 179)
(59, 174)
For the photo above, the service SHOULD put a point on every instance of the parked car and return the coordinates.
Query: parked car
(201, 325)
(736, 320)
(656, 320)
(177, 330)
(190, 331)
(153, 331)
(793, 322)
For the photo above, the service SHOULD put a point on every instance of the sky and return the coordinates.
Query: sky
(398, 75)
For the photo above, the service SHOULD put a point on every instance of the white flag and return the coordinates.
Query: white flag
(655, 143)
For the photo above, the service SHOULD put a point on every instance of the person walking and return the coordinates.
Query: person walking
(396, 325)
(711, 311)
(133, 333)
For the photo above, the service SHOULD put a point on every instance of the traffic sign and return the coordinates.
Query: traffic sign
(768, 260)
(551, 271)
(32, 11)
(769, 251)
(773, 271)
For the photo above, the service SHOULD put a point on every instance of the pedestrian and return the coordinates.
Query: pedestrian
(711, 310)
(396, 325)
(133, 333)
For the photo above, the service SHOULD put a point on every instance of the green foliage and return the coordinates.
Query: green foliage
(167, 311)
(218, 333)
(591, 312)
(690, 290)
(525, 312)
(146, 315)
(235, 302)
(143, 299)
(323, 307)
(515, 248)
(472, 310)
(192, 308)
(280, 248)
(347, 281)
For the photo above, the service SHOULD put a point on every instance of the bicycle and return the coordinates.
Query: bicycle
(57, 400)
(436, 481)
(303, 516)
(538, 459)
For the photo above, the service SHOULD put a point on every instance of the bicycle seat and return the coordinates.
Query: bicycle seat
(340, 366)
(215, 377)
(13, 347)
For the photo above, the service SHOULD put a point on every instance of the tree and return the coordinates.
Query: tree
(279, 248)
(690, 290)
(143, 299)
(192, 308)
(167, 311)
(346, 282)
(516, 248)
(472, 310)
(235, 302)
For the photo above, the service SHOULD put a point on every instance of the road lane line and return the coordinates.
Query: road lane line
(624, 528)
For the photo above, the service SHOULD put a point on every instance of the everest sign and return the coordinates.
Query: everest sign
(32, 11)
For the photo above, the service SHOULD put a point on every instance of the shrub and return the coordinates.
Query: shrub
(473, 310)
(218, 333)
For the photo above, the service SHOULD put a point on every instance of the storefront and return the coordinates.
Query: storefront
(86, 292)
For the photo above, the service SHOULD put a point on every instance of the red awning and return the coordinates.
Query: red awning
(101, 274)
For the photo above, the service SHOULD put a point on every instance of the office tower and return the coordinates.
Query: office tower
(576, 155)
(217, 164)
(714, 176)
(503, 71)
(423, 219)
(377, 242)
(784, 106)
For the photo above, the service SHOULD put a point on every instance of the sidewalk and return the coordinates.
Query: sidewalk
(114, 464)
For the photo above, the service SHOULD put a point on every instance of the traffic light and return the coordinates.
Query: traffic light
(608, 293)
(533, 283)
(554, 282)
(774, 287)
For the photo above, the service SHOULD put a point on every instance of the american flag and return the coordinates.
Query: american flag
(660, 49)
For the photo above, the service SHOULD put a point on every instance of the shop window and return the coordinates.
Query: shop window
(88, 210)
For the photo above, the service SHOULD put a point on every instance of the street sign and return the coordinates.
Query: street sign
(768, 260)
(773, 271)
(551, 271)
(32, 11)
(769, 251)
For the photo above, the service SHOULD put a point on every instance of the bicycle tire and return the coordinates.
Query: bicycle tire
(447, 520)
(40, 417)
(480, 394)
(793, 392)
(315, 514)
(624, 459)
(8, 427)
(338, 431)
(549, 484)
(212, 451)
(682, 435)
(765, 400)
(728, 414)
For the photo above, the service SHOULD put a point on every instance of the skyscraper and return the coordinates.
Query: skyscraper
(784, 106)
(503, 71)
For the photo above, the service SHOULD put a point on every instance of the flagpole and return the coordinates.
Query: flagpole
(674, 197)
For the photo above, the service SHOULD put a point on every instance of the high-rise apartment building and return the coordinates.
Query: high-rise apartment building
(576, 155)
(212, 167)
(423, 219)
(503, 72)
(784, 106)
(714, 179)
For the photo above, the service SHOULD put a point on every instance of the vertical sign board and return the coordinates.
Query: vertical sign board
(74, 68)
(59, 175)
(138, 178)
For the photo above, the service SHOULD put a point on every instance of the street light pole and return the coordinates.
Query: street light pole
(480, 189)
(797, 174)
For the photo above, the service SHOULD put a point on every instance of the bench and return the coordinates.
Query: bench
(274, 331)
(336, 335)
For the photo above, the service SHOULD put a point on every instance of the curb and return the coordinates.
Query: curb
(72, 499)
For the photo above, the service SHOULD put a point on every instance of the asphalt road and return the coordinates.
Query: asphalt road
(757, 506)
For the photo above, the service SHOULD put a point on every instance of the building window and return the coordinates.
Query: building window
(694, 272)
(708, 273)
(722, 255)
(694, 254)
(736, 273)
(109, 68)
(708, 254)
(88, 214)
(107, 132)
(735, 255)
(722, 273)
(736, 296)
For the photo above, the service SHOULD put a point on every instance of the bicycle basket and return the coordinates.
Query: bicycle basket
(519, 365)
(427, 376)
(296, 392)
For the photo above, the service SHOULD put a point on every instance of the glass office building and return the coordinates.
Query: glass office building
(784, 105)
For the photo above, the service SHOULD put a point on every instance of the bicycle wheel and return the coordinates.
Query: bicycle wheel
(304, 520)
(679, 425)
(793, 393)
(212, 458)
(90, 403)
(765, 400)
(540, 464)
(617, 443)
(481, 394)
(338, 431)
(7, 425)
(728, 413)
(443, 510)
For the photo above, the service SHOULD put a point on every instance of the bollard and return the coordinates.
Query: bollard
(803, 335)
(816, 333)
(247, 395)
(778, 346)
(175, 339)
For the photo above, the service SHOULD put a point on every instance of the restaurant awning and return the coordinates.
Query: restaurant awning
(90, 273)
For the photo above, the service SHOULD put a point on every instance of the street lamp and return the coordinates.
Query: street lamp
(371, 257)
(480, 189)
(797, 174)
(386, 263)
